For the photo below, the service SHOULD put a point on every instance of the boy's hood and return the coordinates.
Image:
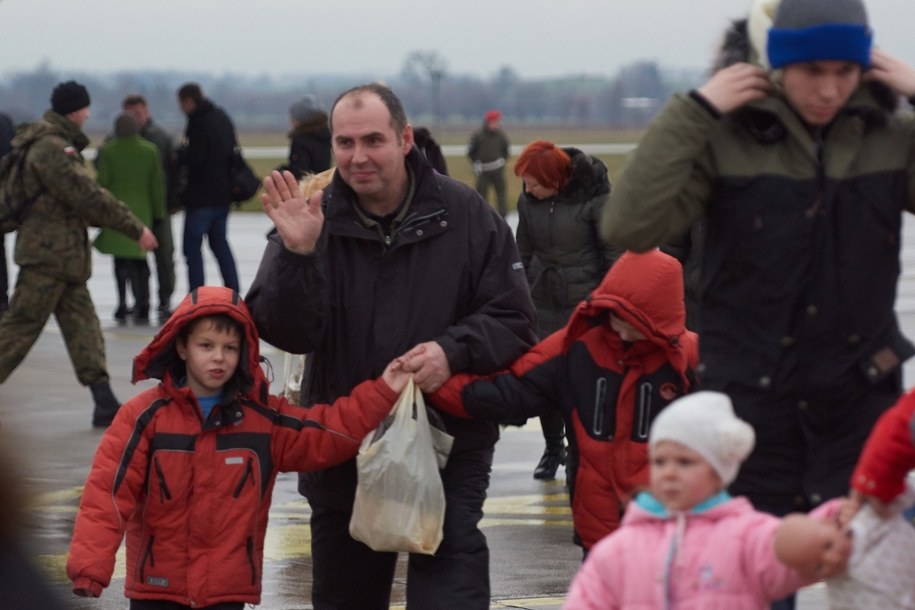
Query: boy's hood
(160, 357)
(644, 289)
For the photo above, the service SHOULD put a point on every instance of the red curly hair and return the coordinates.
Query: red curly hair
(545, 162)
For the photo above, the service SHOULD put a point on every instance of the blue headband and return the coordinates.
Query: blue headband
(830, 41)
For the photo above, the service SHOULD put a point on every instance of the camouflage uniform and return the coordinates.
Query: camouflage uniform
(53, 249)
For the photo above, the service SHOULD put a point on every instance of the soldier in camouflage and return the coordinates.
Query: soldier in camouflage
(53, 248)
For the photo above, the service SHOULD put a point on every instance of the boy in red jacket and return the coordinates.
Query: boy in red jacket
(624, 355)
(187, 468)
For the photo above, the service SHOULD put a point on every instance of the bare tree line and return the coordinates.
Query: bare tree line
(430, 94)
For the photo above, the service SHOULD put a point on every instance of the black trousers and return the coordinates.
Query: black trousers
(135, 273)
(807, 447)
(348, 575)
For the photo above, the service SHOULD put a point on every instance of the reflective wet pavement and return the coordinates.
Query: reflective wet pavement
(47, 412)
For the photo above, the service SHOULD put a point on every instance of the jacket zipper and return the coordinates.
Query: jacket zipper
(248, 475)
(147, 555)
(641, 431)
(814, 209)
(164, 493)
(600, 394)
(250, 546)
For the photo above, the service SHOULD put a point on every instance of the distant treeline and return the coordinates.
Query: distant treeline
(628, 100)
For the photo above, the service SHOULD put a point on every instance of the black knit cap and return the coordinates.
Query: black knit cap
(69, 97)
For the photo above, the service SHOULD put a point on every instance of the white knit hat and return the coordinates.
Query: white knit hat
(705, 422)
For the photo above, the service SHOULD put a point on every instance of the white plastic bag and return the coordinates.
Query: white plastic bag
(293, 371)
(879, 573)
(400, 502)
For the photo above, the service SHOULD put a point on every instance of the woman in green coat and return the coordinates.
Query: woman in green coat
(129, 167)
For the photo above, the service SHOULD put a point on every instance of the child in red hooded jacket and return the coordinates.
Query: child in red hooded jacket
(187, 468)
(624, 355)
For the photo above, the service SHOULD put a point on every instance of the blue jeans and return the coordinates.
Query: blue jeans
(212, 222)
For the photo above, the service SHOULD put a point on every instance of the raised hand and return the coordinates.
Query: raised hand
(732, 87)
(894, 73)
(297, 220)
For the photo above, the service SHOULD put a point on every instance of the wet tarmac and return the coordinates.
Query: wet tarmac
(46, 411)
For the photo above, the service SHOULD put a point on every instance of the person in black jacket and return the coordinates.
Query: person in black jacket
(309, 140)
(559, 211)
(430, 148)
(395, 256)
(206, 155)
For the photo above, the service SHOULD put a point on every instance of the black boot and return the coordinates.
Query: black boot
(549, 463)
(106, 405)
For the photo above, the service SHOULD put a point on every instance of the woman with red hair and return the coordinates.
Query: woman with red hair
(564, 191)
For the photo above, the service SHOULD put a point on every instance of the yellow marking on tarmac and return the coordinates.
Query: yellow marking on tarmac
(289, 535)
(57, 497)
(287, 542)
(528, 602)
(517, 602)
(533, 504)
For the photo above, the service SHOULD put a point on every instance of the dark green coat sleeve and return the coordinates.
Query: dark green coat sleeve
(666, 183)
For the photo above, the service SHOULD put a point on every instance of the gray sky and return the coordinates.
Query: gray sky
(535, 37)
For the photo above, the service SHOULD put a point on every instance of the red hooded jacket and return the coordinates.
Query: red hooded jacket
(889, 453)
(193, 495)
(609, 391)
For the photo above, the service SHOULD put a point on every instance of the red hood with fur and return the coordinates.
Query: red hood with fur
(638, 289)
(160, 358)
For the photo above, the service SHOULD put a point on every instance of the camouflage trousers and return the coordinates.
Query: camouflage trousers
(35, 298)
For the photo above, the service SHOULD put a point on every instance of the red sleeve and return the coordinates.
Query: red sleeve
(888, 454)
(323, 435)
(448, 397)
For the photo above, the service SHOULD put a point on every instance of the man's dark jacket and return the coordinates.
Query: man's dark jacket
(210, 141)
(451, 273)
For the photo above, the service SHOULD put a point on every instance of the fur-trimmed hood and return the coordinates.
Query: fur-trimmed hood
(587, 177)
(160, 360)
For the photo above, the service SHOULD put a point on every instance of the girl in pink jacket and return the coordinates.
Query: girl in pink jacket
(686, 544)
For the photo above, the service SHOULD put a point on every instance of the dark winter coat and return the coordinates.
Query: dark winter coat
(450, 273)
(430, 148)
(193, 495)
(563, 254)
(802, 234)
(608, 391)
(166, 145)
(800, 261)
(54, 239)
(207, 156)
(309, 147)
